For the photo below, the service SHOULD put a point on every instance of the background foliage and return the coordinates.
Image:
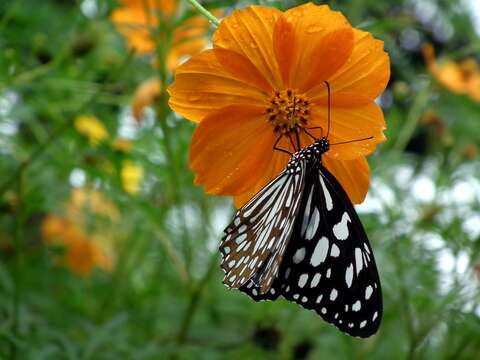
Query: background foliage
(129, 267)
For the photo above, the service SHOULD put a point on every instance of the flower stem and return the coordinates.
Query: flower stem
(205, 12)
(413, 117)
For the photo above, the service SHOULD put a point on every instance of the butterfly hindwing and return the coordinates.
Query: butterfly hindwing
(253, 246)
(329, 266)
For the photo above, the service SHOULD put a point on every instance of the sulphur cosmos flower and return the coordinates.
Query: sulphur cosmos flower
(86, 247)
(264, 78)
(462, 77)
(139, 20)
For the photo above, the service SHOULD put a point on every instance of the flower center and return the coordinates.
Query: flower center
(287, 111)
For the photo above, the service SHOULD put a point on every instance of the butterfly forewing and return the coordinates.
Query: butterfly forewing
(254, 244)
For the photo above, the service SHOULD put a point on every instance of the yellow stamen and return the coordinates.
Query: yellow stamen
(288, 111)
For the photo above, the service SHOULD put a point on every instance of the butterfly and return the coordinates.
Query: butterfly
(301, 238)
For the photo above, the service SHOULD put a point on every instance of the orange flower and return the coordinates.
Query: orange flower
(145, 95)
(137, 20)
(82, 253)
(265, 77)
(85, 249)
(462, 78)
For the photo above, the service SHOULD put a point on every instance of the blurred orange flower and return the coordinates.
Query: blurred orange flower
(264, 78)
(138, 20)
(122, 145)
(462, 78)
(85, 248)
(145, 95)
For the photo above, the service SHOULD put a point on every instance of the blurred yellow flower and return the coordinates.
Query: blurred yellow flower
(137, 20)
(131, 175)
(462, 77)
(145, 95)
(87, 243)
(92, 128)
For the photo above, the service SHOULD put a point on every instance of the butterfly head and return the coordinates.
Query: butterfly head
(322, 145)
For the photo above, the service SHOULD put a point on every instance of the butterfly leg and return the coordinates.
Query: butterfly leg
(280, 149)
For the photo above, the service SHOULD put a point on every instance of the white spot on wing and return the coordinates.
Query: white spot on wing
(315, 280)
(320, 252)
(334, 251)
(363, 323)
(241, 238)
(368, 292)
(333, 294)
(313, 224)
(299, 255)
(349, 275)
(340, 230)
(358, 260)
(306, 216)
(326, 193)
(356, 306)
(302, 280)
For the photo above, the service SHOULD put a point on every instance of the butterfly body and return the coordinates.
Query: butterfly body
(301, 238)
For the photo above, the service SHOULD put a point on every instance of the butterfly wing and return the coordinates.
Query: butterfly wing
(329, 265)
(254, 243)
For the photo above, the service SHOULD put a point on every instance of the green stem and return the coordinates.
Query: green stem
(18, 267)
(205, 12)
(413, 117)
(195, 300)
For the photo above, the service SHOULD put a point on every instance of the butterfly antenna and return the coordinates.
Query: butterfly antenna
(329, 103)
(350, 141)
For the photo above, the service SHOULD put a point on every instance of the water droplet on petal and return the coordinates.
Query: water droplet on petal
(314, 28)
(194, 97)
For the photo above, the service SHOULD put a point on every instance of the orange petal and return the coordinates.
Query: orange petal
(283, 43)
(349, 124)
(329, 55)
(230, 148)
(273, 168)
(241, 68)
(362, 78)
(353, 175)
(249, 32)
(202, 85)
(311, 24)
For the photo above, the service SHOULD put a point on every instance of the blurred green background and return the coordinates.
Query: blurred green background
(108, 250)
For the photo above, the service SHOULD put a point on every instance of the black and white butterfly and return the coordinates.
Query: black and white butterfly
(300, 237)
